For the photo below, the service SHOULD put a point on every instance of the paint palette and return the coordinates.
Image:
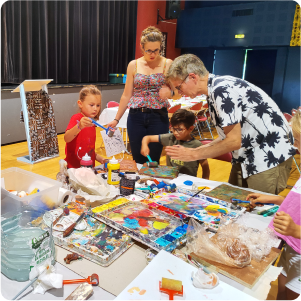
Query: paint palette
(200, 209)
(152, 227)
(97, 242)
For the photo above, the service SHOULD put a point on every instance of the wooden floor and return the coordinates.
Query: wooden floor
(219, 170)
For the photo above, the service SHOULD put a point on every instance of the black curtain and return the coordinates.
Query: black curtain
(67, 41)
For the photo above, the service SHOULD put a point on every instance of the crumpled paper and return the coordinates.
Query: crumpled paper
(200, 279)
(47, 278)
(91, 186)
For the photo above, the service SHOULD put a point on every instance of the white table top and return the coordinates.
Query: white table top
(108, 115)
(169, 266)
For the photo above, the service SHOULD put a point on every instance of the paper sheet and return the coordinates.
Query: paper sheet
(146, 285)
(113, 145)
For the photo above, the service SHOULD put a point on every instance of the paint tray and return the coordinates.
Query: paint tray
(199, 208)
(150, 226)
(97, 242)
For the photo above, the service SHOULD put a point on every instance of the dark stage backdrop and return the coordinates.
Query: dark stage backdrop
(68, 41)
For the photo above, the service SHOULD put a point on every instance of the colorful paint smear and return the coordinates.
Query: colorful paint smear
(161, 171)
(200, 209)
(151, 226)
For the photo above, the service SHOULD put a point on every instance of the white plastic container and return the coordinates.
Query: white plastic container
(19, 179)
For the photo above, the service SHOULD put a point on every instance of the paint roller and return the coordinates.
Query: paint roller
(171, 287)
(109, 131)
(151, 163)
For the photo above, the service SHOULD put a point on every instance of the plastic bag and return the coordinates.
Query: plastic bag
(198, 241)
(258, 242)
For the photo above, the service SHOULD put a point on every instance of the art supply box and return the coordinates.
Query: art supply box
(18, 179)
(116, 78)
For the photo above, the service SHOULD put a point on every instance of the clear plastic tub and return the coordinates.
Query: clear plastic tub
(18, 179)
(16, 233)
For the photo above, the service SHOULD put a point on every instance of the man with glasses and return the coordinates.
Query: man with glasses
(248, 123)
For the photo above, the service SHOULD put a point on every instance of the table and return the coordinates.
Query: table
(116, 278)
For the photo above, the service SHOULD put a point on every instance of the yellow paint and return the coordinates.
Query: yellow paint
(203, 187)
(212, 208)
(159, 225)
(116, 216)
(133, 289)
(144, 231)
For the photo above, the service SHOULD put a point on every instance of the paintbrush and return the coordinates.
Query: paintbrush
(109, 131)
(65, 212)
(199, 265)
(70, 228)
(195, 195)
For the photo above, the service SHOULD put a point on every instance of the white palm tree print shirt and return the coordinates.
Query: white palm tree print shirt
(266, 138)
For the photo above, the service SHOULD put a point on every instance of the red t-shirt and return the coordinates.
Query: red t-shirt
(85, 139)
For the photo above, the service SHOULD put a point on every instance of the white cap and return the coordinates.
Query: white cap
(114, 161)
(86, 157)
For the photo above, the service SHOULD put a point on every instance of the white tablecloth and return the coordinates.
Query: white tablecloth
(108, 115)
(186, 101)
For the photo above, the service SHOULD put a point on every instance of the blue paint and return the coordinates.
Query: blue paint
(169, 238)
(162, 242)
(176, 234)
(111, 248)
(188, 183)
(131, 223)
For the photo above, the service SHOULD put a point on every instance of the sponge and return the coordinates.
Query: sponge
(171, 284)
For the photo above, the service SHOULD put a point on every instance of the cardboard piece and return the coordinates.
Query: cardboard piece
(247, 276)
(128, 165)
(168, 172)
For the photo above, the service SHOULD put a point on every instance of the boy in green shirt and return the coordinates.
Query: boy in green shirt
(182, 124)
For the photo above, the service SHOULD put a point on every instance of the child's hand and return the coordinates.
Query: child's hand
(257, 198)
(284, 224)
(85, 122)
(144, 150)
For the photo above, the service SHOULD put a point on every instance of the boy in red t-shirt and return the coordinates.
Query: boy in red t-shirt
(80, 134)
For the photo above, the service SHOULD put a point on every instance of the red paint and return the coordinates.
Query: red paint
(143, 222)
(147, 16)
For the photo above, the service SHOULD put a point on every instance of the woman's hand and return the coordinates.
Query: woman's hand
(165, 92)
(112, 124)
(284, 224)
(85, 122)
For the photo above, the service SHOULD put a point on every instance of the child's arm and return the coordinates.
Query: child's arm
(264, 198)
(73, 132)
(145, 141)
(206, 169)
(99, 158)
(284, 224)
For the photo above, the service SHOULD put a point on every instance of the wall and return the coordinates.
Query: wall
(270, 25)
(209, 3)
(64, 105)
(147, 15)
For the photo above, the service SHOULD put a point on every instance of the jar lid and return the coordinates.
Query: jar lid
(86, 160)
(114, 161)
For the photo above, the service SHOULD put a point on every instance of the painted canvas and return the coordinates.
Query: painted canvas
(226, 193)
(113, 145)
(150, 226)
(128, 165)
(162, 171)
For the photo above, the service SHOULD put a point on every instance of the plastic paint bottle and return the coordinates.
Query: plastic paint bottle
(86, 161)
(113, 172)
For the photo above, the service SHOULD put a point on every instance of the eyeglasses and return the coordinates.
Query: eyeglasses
(156, 51)
(179, 130)
(179, 86)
